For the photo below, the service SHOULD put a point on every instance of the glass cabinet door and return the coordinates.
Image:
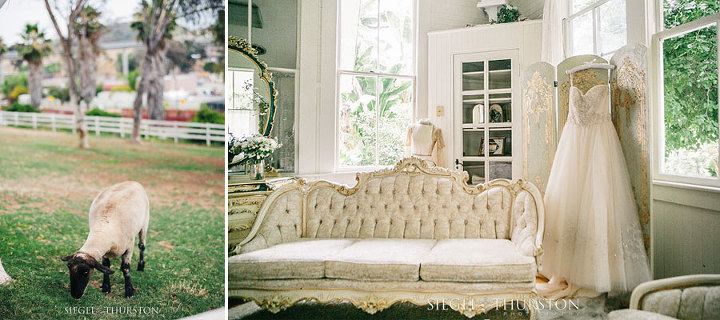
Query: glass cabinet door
(484, 114)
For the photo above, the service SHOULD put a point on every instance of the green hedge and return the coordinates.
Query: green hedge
(207, 115)
(16, 107)
(102, 113)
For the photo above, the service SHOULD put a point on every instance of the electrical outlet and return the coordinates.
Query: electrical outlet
(439, 111)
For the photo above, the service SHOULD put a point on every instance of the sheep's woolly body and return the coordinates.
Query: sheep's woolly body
(116, 216)
(4, 277)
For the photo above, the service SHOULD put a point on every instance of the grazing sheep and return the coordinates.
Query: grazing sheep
(116, 215)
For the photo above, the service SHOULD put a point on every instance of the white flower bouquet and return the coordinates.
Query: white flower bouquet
(252, 149)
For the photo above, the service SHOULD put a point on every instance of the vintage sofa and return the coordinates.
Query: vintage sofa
(413, 233)
(692, 297)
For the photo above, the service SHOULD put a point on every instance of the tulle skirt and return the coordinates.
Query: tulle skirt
(592, 233)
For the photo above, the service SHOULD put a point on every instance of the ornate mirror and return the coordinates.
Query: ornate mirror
(251, 91)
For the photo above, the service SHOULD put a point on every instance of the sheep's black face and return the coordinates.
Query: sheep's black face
(80, 273)
(81, 267)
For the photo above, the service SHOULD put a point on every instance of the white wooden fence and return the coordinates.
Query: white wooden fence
(175, 130)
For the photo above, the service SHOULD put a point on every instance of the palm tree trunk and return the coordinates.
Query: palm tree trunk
(2, 77)
(87, 70)
(137, 104)
(4, 277)
(35, 82)
(80, 123)
(156, 86)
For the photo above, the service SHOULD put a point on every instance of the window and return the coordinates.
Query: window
(596, 27)
(376, 80)
(688, 135)
(241, 117)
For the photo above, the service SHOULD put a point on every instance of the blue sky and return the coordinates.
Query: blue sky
(16, 13)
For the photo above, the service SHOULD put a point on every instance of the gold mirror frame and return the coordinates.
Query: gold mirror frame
(243, 47)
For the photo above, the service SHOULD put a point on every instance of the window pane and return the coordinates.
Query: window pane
(396, 36)
(358, 119)
(242, 89)
(677, 12)
(358, 35)
(691, 103)
(395, 114)
(613, 27)
(241, 116)
(578, 5)
(582, 34)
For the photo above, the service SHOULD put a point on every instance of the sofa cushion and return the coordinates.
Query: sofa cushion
(293, 260)
(632, 314)
(379, 260)
(477, 260)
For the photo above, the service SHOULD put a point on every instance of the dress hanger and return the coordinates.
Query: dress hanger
(590, 65)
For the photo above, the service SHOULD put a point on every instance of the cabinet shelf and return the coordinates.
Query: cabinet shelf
(482, 126)
(492, 91)
(484, 158)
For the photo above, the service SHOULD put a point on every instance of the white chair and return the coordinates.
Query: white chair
(685, 297)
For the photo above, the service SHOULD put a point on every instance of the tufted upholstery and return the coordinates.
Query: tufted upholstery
(411, 205)
(282, 221)
(685, 297)
(408, 204)
(702, 302)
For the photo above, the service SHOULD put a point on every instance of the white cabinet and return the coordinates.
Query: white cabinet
(485, 111)
(474, 76)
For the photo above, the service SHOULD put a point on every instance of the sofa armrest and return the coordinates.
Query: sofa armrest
(528, 219)
(279, 220)
(680, 282)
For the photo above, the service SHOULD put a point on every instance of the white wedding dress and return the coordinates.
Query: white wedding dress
(593, 242)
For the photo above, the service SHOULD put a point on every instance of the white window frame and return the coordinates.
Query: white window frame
(657, 83)
(596, 27)
(378, 87)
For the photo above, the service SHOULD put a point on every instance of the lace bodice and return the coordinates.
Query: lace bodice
(590, 108)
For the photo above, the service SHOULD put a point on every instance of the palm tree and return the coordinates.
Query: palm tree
(88, 30)
(3, 49)
(33, 49)
(155, 63)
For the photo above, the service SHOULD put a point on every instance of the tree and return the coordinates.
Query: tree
(87, 31)
(3, 50)
(4, 277)
(72, 60)
(691, 77)
(33, 49)
(155, 62)
(155, 19)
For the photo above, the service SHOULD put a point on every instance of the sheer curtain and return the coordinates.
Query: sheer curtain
(553, 35)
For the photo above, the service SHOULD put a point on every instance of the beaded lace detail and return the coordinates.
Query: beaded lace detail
(583, 106)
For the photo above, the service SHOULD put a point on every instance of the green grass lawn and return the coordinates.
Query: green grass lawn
(46, 187)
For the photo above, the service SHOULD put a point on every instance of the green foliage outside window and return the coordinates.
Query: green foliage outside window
(691, 91)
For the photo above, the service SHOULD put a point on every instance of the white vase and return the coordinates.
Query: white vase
(478, 113)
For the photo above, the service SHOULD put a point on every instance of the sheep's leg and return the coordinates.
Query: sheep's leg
(141, 246)
(106, 277)
(125, 267)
